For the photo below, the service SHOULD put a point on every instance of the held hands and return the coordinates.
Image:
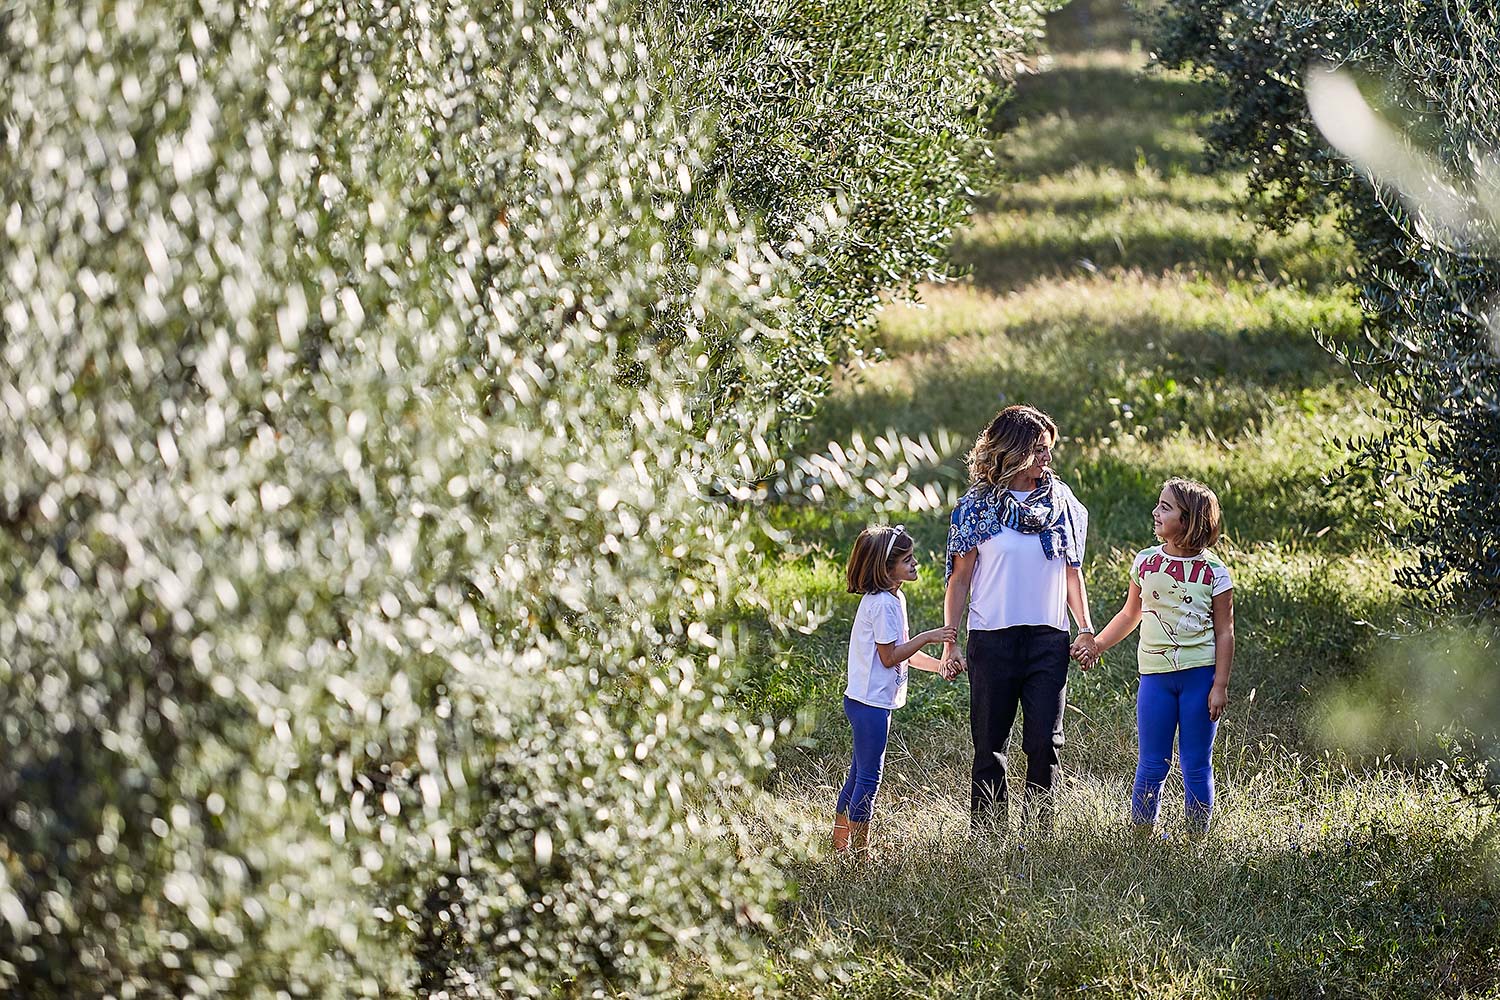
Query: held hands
(1085, 650)
(952, 660)
(947, 635)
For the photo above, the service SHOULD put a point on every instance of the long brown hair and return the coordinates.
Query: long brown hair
(1006, 448)
(876, 550)
(1202, 520)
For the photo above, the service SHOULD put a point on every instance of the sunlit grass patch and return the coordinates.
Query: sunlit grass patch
(1129, 56)
(1269, 477)
(1087, 187)
(1165, 140)
(1010, 246)
(811, 578)
(1130, 311)
(1104, 355)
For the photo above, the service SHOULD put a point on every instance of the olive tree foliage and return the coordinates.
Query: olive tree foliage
(372, 379)
(352, 637)
(880, 108)
(1416, 186)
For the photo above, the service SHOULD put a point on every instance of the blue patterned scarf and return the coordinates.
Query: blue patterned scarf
(1050, 511)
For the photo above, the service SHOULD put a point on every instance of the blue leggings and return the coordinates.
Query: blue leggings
(1168, 705)
(872, 729)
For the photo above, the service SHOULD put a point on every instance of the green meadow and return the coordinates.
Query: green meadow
(1114, 282)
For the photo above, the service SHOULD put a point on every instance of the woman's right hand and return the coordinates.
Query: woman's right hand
(953, 661)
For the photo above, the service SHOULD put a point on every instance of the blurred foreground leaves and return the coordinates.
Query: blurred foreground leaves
(370, 378)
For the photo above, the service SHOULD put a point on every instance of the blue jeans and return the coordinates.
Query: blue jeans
(872, 730)
(1168, 705)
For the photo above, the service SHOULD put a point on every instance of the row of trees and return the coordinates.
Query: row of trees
(364, 370)
(1416, 186)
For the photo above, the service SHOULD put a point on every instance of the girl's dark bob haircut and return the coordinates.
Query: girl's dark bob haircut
(1202, 520)
(876, 551)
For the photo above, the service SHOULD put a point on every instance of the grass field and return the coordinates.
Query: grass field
(1116, 285)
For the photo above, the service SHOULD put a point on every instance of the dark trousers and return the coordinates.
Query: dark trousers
(1025, 666)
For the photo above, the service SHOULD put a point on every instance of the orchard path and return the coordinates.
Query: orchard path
(1114, 283)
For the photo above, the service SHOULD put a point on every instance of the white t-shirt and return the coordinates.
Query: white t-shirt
(881, 618)
(1014, 583)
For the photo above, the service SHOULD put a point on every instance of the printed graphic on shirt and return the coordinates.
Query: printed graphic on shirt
(1177, 626)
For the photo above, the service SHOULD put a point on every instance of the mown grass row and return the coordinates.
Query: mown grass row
(1115, 285)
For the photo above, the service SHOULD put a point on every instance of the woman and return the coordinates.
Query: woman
(1015, 546)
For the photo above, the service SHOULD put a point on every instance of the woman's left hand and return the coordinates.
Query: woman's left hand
(1218, 698)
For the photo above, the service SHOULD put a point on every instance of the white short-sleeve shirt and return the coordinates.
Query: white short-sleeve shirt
(881, 618)
(1014, 583)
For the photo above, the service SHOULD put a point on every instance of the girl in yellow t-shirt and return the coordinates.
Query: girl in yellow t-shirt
(1182, 597)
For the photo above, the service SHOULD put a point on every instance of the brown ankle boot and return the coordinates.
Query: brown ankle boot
(840, 832)
(859, 839)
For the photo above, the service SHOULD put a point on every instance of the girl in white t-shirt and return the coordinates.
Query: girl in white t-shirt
(880, 650)
(1182, 597)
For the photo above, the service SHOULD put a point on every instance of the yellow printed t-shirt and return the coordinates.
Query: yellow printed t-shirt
(1177, 617)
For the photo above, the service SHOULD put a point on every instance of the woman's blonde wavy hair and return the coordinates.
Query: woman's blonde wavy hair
(1007, 447)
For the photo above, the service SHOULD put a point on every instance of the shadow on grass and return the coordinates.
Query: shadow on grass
(1092, 91)
(1156, 239)
(1093, 395)
(1095, 381)
(1090, 25)
(1052, 143)
(1292, 923)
